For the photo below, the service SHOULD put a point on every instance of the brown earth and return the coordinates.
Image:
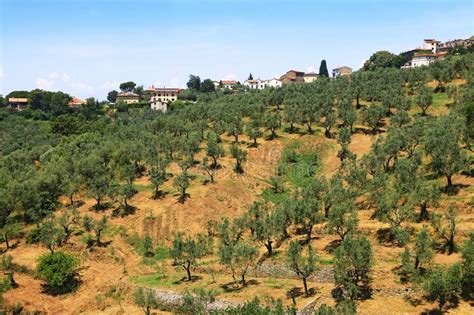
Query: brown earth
(108, 268)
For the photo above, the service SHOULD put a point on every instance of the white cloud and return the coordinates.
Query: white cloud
(109, 85)
(229, 76)
(81, 87)
(311, 69)
(175, 82)
(44, 84)
(63, 81)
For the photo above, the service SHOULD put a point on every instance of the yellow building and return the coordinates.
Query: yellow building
(341, 71)
(128, 98)
(310, 77)
(18, 103)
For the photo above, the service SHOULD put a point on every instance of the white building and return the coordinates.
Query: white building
(274, 83)
(225, 84)
(262, 84)
(159, 106)
(430, 44)
(419, 60)
(251, 84)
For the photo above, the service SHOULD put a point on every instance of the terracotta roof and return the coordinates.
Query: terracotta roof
(432, 41)
(440, 54)
(128, 94)
(311, 74)
(76, 101)
(226, 82)
(343, 68)
(163, 89)
(302, 72)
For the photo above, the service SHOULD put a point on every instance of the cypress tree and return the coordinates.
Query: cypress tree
(323, 69)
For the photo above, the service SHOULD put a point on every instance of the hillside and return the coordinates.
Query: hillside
(337, 160)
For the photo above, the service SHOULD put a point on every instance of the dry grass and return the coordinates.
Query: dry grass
(119, 265)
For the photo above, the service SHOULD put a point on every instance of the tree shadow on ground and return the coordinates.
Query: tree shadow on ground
(182, 200)
(12, 246)
(78, 203)
(454, 189)
(91, 243)
(364, 131)
(70, 287)
(385, 237)
(295, 130)
(414, 301)
(194, 278)
(469, 173)
(365, 293)
(403, 277)
(124, 211)
(102, 207)
(161, 194)
(236, 286)
(450, 304)
(271, 137)
(331, 247)
(468, 292)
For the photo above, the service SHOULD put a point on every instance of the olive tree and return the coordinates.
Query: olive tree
(146, 299)
(181, 182)
(185, 253)
(240, 156)
(352, 266)
(443, 284)
(238, 258)
(303, 265)
(96, 226)
(442, 144)
(445, 228)
(424, 99)
(214, 149)
(158, 174)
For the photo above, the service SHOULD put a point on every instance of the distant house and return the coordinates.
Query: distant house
(341, 71)
(430, 51)
(252, 84)
(229, 84)
(76, 102)
(419, 60)
(226, 84)
(456, 43)
(18, 103)
(161, 97)
(310, 77)
(274, 83)
(262, 84)
(292, 76)
(128, 98)
(430, 44)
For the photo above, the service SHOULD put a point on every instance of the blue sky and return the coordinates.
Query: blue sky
(87, 47)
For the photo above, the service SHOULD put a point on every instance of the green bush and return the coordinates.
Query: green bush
(59, 270)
